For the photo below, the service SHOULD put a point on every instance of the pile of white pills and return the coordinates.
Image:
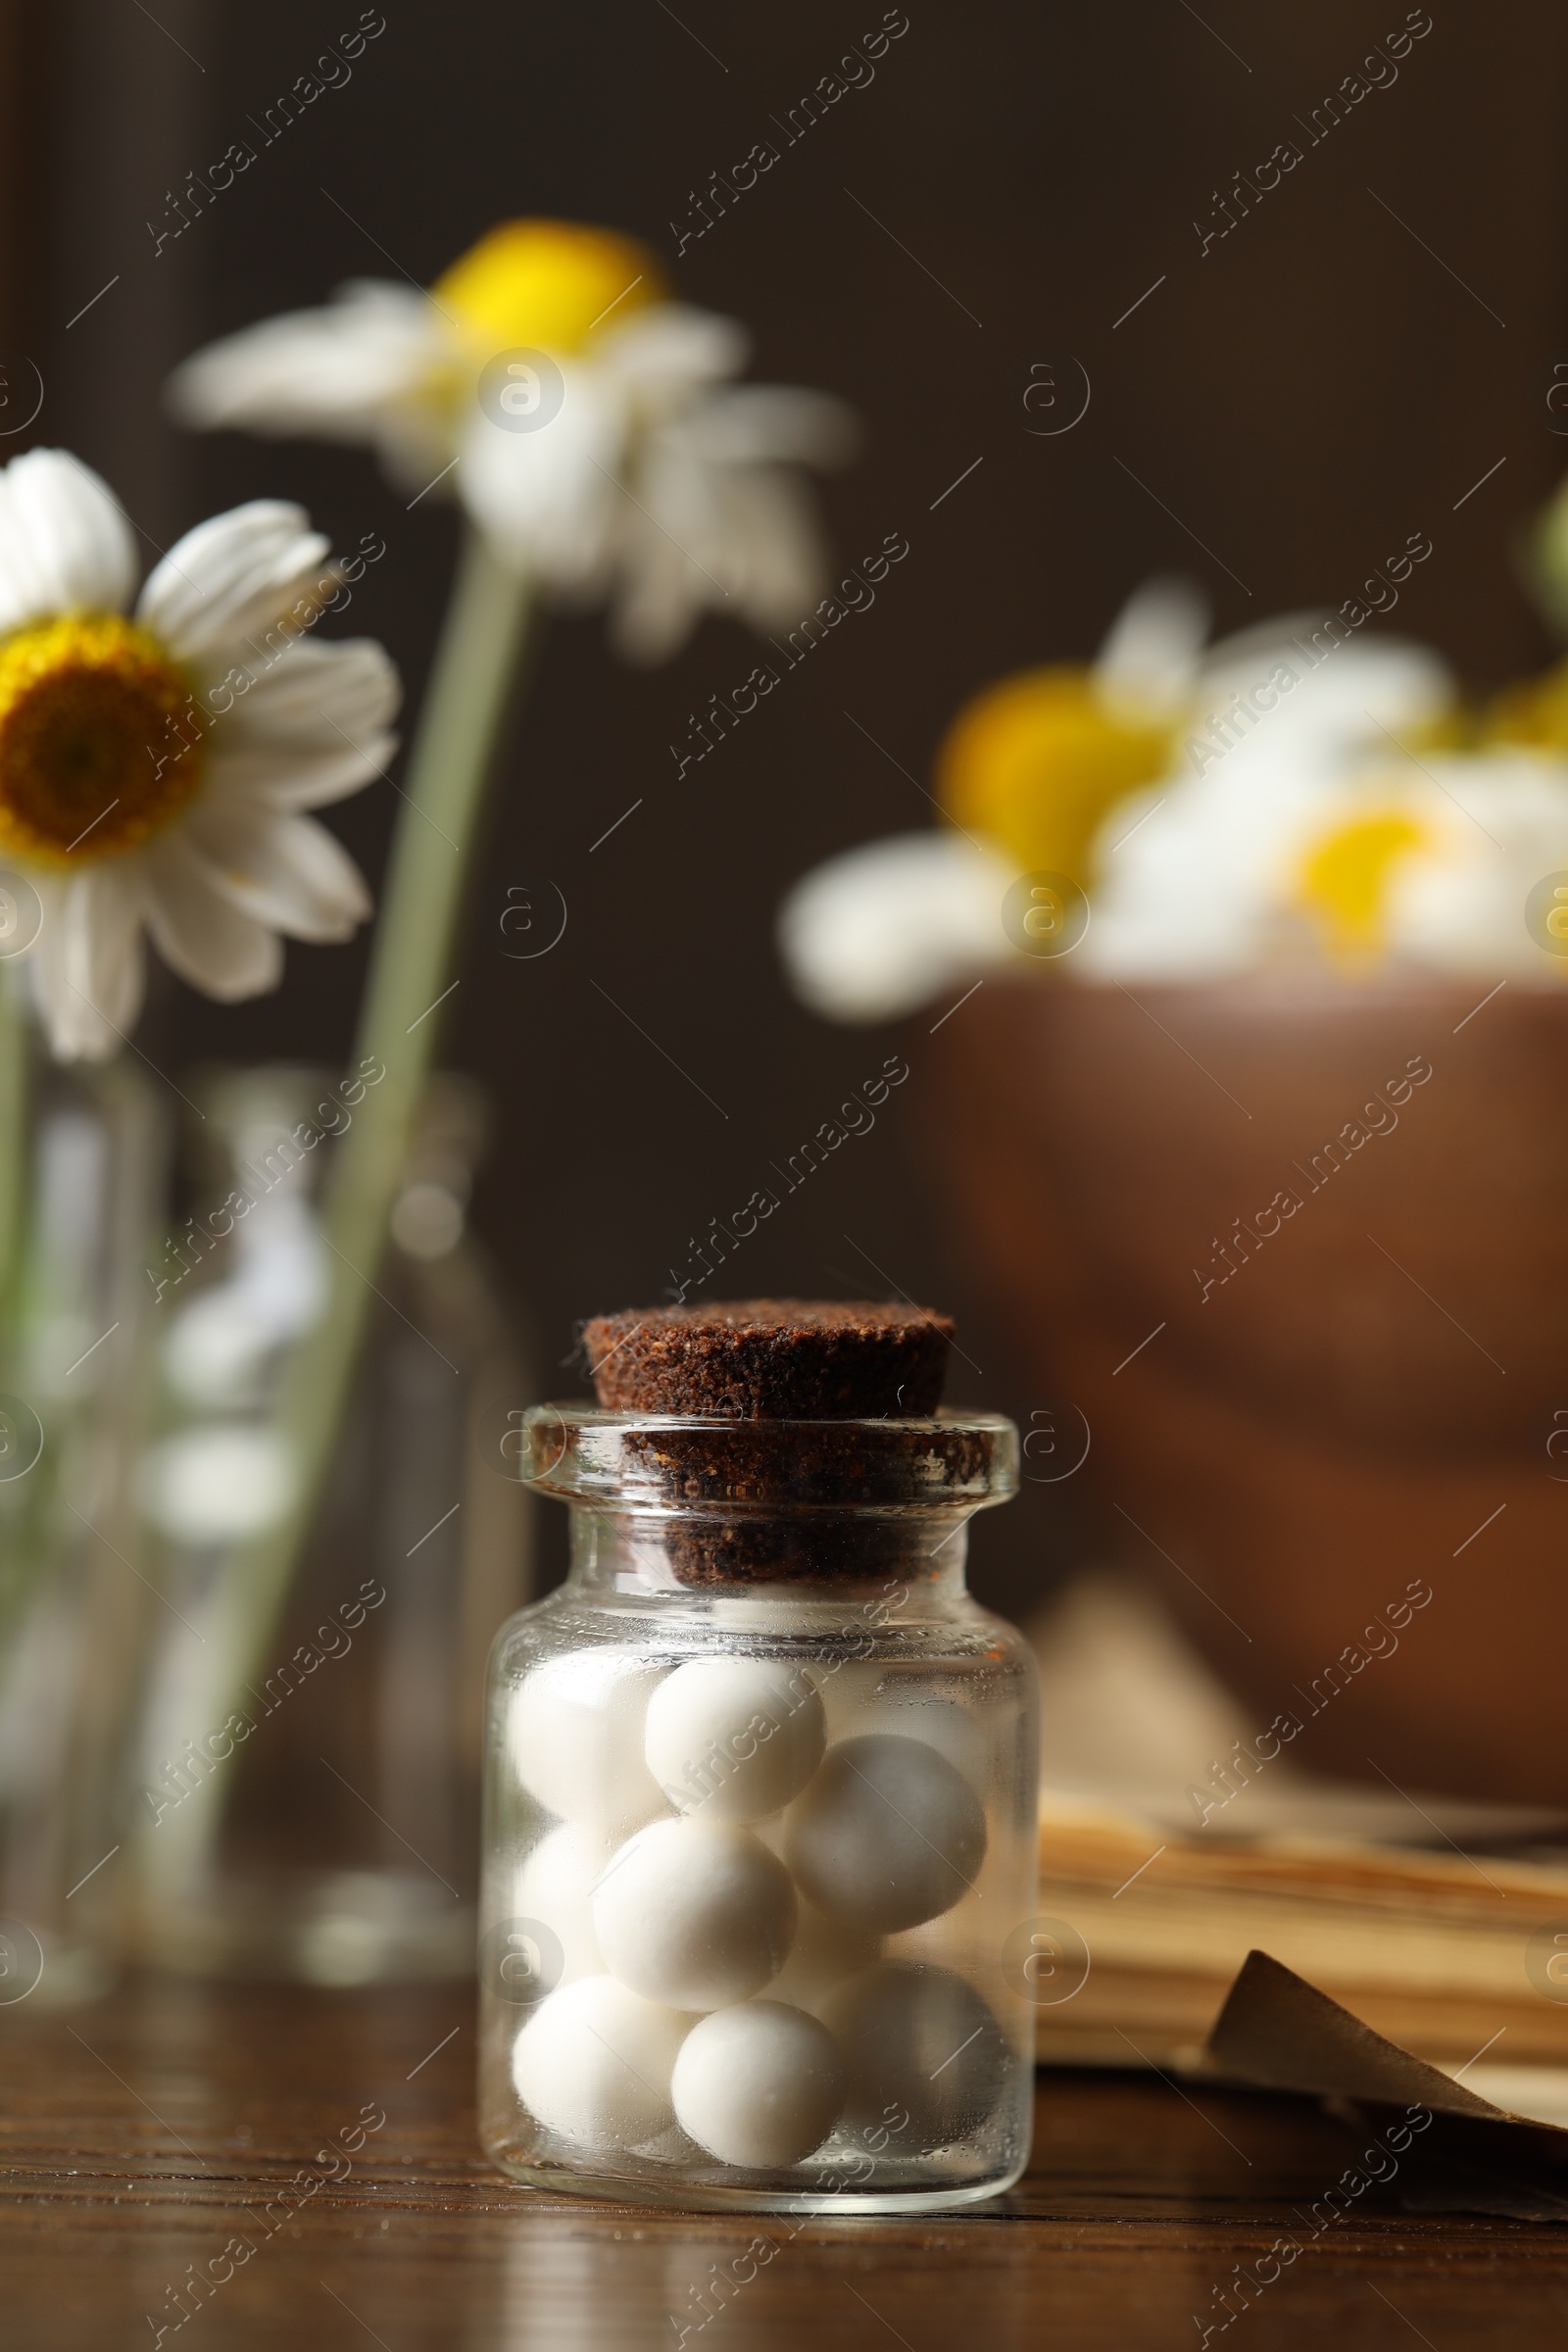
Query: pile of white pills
(719, 1885)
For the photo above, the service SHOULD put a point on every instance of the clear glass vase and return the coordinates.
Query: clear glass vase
(82, 1153)
(325, 1826)
(760, 1824)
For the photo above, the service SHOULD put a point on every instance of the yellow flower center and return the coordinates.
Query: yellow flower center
(546, 285)
(99, 739)
(1344, 879)
(1037, 760)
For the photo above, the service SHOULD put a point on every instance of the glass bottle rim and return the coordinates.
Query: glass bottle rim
(666, 1464)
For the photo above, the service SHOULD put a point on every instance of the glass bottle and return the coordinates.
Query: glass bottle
(82, 1158)
(760, 1823)
(327, 1828)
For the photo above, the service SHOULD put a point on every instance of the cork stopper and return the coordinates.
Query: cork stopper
(771, 1359)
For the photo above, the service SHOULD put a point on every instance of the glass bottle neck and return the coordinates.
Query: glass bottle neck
(910, 1567)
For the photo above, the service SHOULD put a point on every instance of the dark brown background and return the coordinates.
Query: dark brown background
(1315, 387)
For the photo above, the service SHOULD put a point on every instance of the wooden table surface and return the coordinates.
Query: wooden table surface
(143, 2134)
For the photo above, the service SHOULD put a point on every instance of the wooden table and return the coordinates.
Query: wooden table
(144, 2135)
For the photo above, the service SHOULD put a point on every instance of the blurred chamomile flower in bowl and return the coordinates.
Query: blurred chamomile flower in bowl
(1264, 1176)
(590, 426)
(1294, 799)
(159, 752)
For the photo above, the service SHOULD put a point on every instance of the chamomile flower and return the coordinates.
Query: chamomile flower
(1206, 873)
(1466, 845)
(590, 426)
(156, 762)
(1196, 795)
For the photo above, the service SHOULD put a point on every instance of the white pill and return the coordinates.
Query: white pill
(759, 2084)
(734, 1738)
(870, 1699)
(694, 1914)
(887, 1835)
(553, 1886)
(925, 2059)
(576, 1732)
(594, 2063)
(824, 1952)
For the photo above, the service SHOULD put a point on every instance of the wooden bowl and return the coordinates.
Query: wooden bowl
(1300, 1256)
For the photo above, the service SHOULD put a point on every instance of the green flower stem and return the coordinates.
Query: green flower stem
(466, 704)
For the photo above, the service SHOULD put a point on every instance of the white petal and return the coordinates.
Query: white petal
(673, 557)
(774, 424)
(301, 780)
(767, 544)
(669, 350)
(659, 597)
(311, 728)
(1150, 659)
(64, 542)
(284, 871)
(200, 933)
(230, 577)
(1348, 687)
(1497, 826)
(314, 688)
(743, 539)
(89, 968)
(870, 935)
(325, 373)
(1263, 637)
(549, 499)
(1181, 912)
